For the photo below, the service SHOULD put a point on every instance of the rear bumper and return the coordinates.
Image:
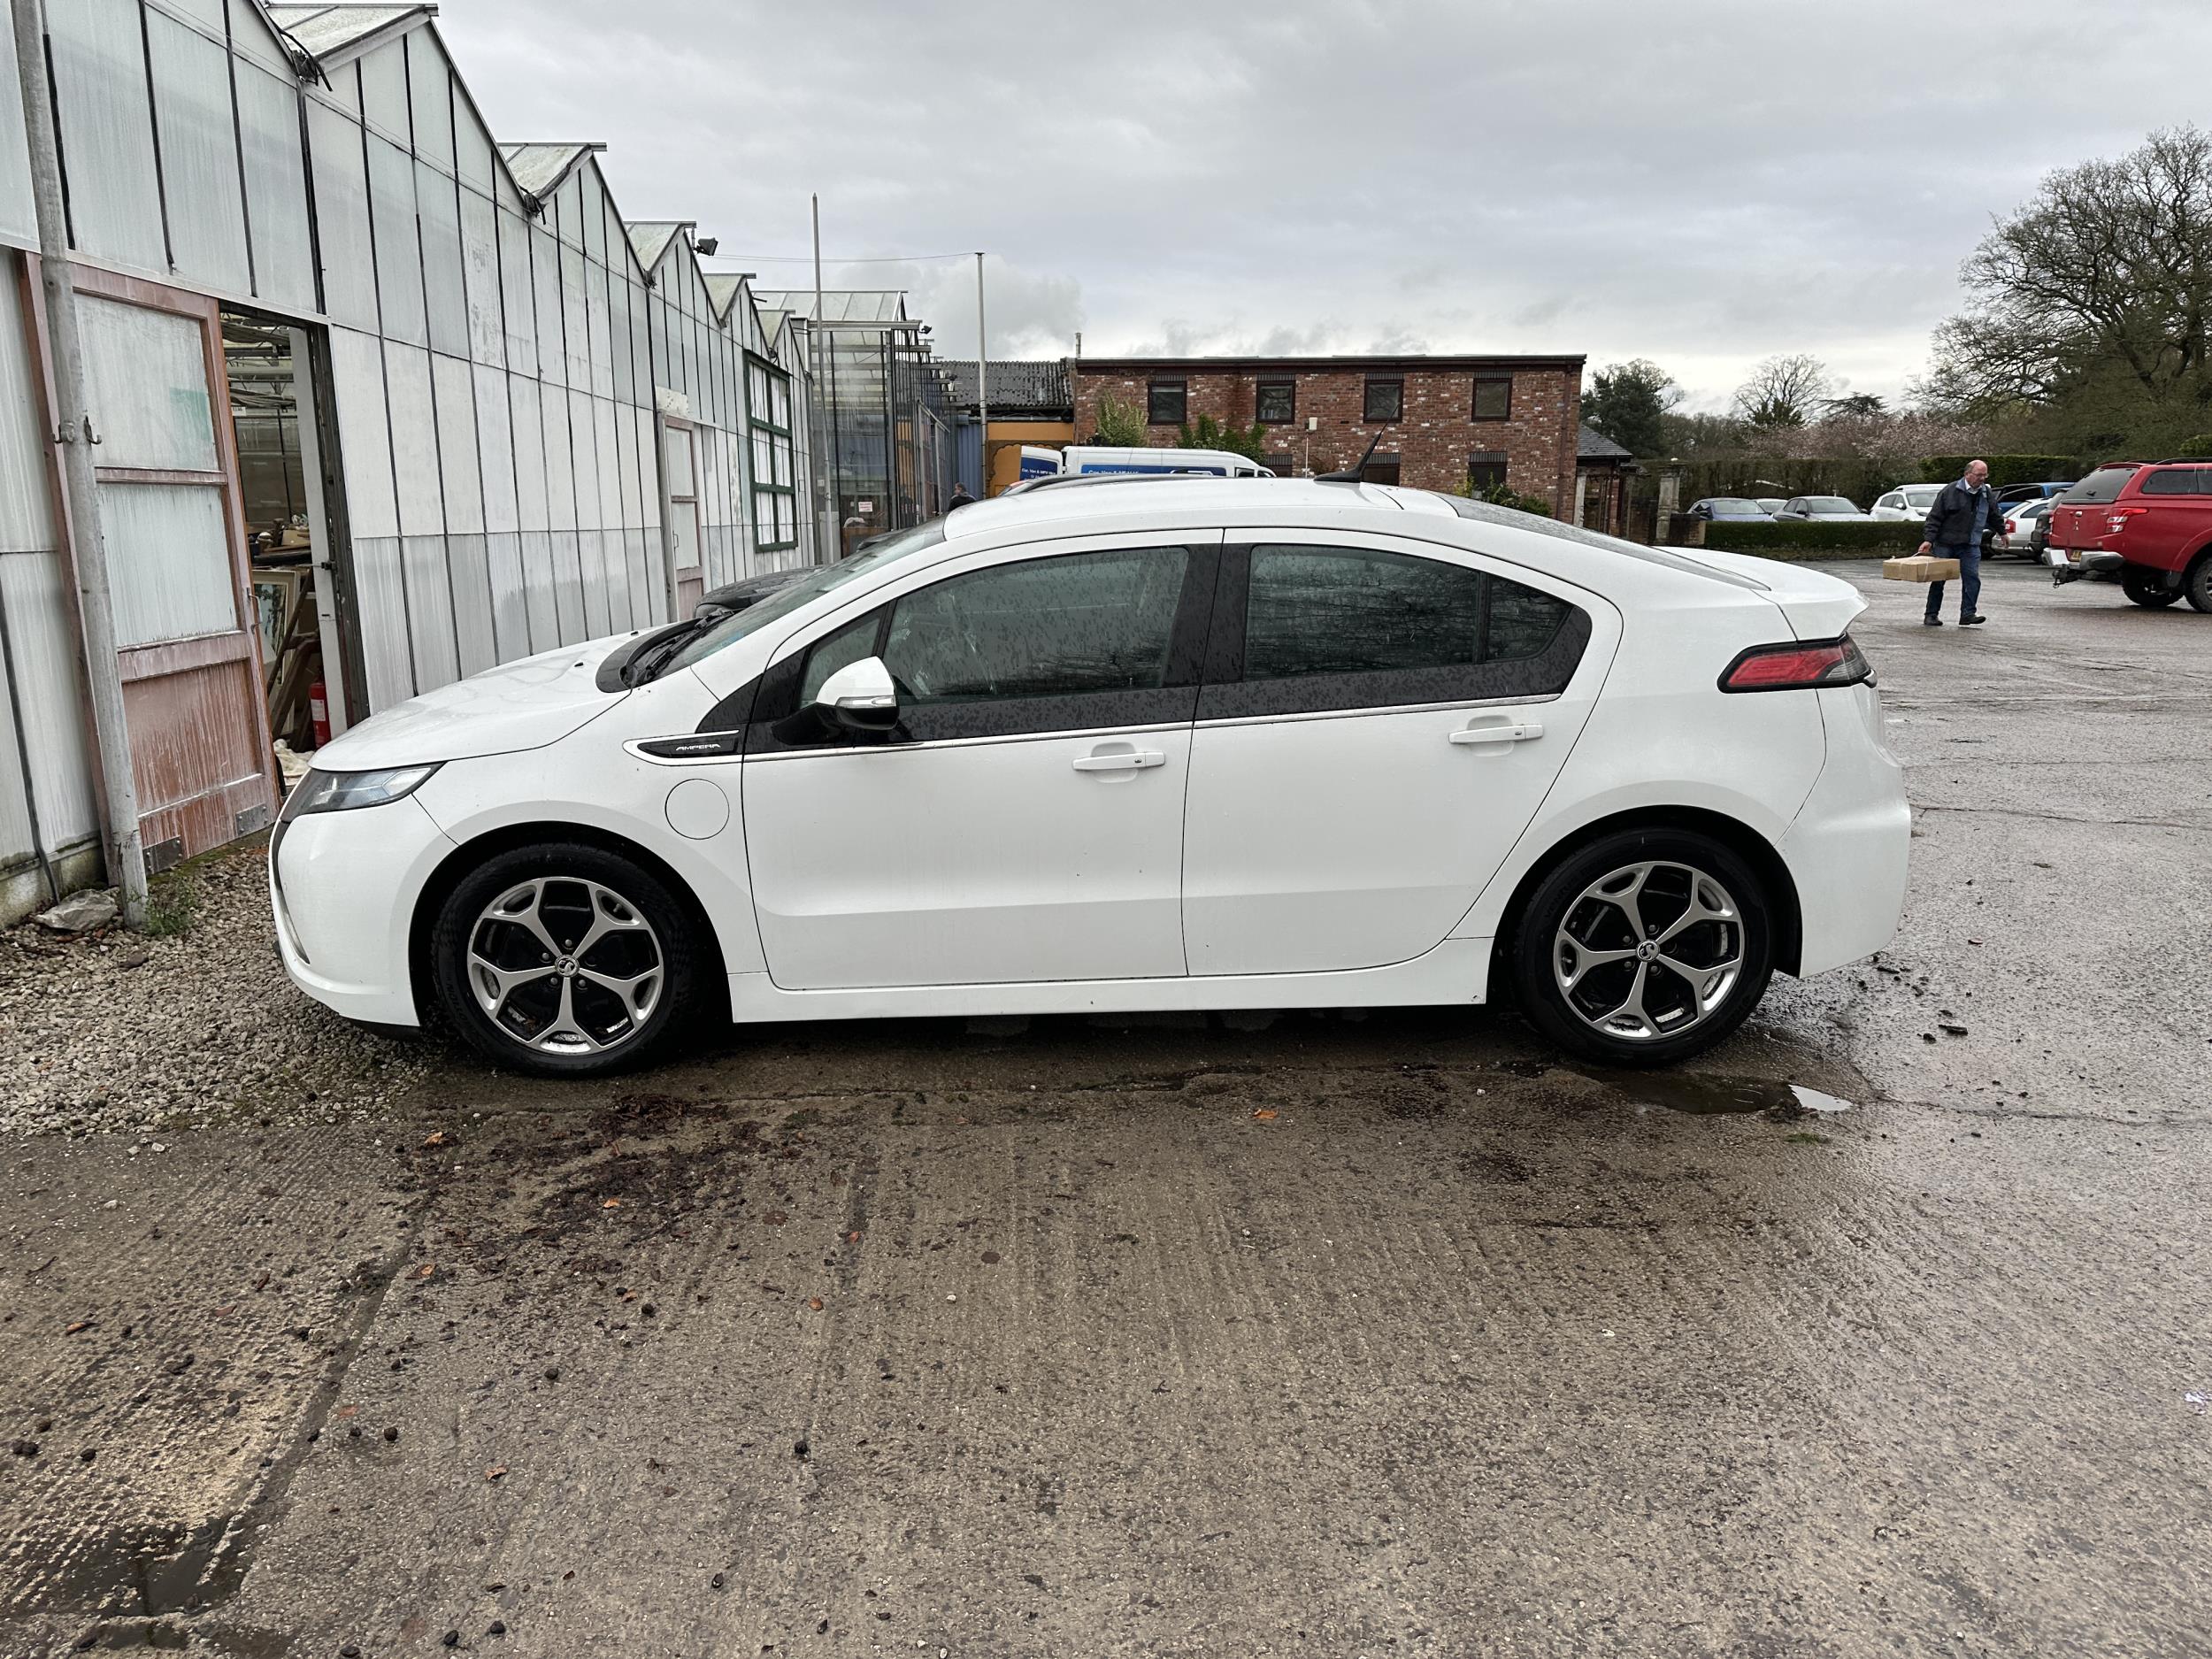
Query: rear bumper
(1848, 849)
(343, 886)
(2070, 564)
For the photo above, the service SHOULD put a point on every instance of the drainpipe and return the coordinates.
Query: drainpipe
(95, 610)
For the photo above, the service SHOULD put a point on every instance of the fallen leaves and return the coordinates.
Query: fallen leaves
(814, 1303)
(426, 1270)
(1266, 1114)
(437, 1138)
(82, 1325)
(495, 1471)
(610, 1204)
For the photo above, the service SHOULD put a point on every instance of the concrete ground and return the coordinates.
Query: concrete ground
(1311, 1335)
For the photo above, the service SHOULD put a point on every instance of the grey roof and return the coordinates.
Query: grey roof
(650, 237)
(840, 305)
(1592, 445)
(538, 169)
(1039, 383)
(329, 34)
(722, 289)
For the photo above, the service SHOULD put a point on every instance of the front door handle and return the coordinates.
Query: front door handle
(1123, 760)
(1520, 733)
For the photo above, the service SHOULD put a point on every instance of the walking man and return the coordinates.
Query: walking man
(1964, 512)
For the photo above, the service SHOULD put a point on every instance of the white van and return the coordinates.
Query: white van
(1084, 459)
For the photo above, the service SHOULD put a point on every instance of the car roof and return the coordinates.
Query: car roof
(1115, 493)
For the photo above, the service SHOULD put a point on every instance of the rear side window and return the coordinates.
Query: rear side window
(1333, 628)
(2173, 480)
(2105, 484)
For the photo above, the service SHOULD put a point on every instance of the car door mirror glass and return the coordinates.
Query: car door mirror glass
(859, 697)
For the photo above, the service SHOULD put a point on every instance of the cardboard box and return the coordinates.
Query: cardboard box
(1919, 568)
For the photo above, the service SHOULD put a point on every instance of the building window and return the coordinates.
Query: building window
(1385, 398)
(1277, 402)
(1164, 403)
(768, 420)
(1283, 464)
(1486, 470)
(1493, 396)
(1380, 469)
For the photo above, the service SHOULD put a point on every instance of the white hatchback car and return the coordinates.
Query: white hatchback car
(1129, 744)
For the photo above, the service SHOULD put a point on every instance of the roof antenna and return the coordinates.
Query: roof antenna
(1351, 475)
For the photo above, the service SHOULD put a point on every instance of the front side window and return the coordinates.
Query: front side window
(1493, 396)
(1165, 402)
(1385, 398)
(1276, 403)
(1068, 625)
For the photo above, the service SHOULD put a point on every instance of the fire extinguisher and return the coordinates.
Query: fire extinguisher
(318, 712)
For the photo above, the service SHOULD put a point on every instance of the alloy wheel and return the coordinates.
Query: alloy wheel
(566, 966)
(1649, 950)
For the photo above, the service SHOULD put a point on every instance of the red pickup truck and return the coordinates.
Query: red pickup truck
(2148, 522)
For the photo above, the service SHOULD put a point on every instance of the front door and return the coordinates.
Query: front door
(1026, 822)
(167, 470)
(1379, 723)
(680, 512)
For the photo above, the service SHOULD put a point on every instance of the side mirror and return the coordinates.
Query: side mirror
(859, 698)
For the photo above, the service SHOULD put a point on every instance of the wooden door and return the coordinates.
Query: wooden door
(166, 465)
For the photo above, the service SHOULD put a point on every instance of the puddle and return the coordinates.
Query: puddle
(1707, 1096)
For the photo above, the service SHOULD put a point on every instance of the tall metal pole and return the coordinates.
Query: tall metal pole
(982, 385)
(818, 353)
(95, 610)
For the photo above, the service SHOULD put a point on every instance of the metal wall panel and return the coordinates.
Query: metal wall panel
(365, 440)
(523, 407)
(107, 131)
(18, 218)
(518, 294)
(479, 271)
(276, 189)
(199, 155)
(250, 35)
(538, 589)
(510, 606)
(545, 278)
(382, 594)
(439, 215)
(454, 391)
(342, 216)
(18, 842)
(430, 97)
(467, 558)
(415, 468)
(473, 146)
(398, 252)
(384, 91)
(43, 648)
(575, 317)
(27, 511)
(429, 611)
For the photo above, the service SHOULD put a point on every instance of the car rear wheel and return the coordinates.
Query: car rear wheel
(1647, 947)
(2198, 585)
(563, 959)
(2147, 587)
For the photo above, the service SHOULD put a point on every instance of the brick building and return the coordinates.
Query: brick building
(1442, 420)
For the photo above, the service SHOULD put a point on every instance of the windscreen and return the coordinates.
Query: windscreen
(2105, 484)
(1830, 504)
(809, 588)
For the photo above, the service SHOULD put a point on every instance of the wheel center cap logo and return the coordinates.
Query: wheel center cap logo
(1646, 949)
(566, 964)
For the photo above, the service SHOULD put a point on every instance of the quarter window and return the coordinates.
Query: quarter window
(1385, 398)
(1164, 403)
(2173, 480)
(1276, 403)
(1493, 396)
(1074, 623)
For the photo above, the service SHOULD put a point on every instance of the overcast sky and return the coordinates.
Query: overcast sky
(1701, 183)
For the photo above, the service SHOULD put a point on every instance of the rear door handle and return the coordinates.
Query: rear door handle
(1125, 760)
(1520, 734)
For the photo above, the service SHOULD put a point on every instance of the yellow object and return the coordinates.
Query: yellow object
(1920, 568)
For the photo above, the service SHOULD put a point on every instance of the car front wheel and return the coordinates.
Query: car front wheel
(563, 959)
(2147, 587)
(1645, 946)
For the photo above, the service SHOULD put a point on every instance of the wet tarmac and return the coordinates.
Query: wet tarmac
(1883, 1329)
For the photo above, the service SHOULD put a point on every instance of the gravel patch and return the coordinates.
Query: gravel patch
(117, 1032)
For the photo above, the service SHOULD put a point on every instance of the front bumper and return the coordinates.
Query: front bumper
(2070, 564)
(343, 886)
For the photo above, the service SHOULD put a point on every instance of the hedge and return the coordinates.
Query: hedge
(1854, 539)
(2004, 470)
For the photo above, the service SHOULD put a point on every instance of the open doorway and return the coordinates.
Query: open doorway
(282, 495)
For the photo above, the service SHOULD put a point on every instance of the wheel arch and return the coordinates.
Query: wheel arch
(509, 837)
(1739, 838)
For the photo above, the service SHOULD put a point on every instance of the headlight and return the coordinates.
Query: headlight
(343, 791)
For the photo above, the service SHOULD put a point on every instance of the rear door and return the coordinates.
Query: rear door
(1381, 721)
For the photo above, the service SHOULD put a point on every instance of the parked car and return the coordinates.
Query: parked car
(1905, 501)
(2032, 492)
(1041, 755)
(2022, 520)
(1768, 504)
(2147, 523)
(744, 593)
(1819, 509)
(1731, 509)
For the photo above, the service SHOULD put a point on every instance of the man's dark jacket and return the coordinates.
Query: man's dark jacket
(1951, 520)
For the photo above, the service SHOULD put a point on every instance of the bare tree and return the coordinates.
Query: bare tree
(1784, 391)
(2104, 274)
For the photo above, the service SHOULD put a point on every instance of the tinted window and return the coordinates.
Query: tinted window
(1493, 398)
(1386, 400)
(1083, 622)
(1345, 611)
(2173, 480)
(1278, 402)
(2105, 484)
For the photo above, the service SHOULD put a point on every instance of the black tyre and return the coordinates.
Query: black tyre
(1644, 948)
(2146, 587)
(565, 960)
(2197, 586)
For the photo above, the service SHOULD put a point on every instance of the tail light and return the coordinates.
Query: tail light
(1797, 665)
(2116, 519)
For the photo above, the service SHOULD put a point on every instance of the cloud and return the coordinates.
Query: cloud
(1417, 174)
